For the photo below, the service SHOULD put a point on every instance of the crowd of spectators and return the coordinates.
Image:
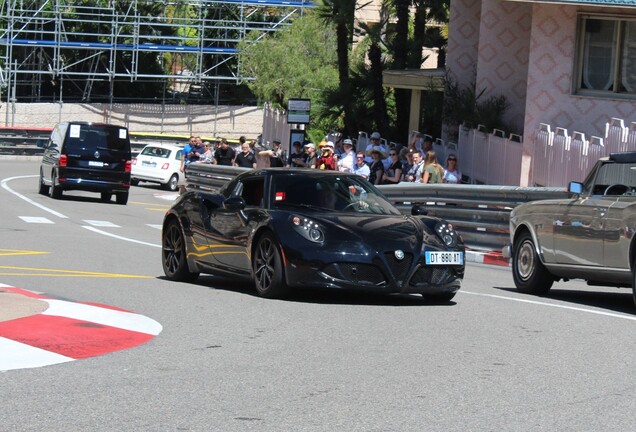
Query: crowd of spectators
(378, 162)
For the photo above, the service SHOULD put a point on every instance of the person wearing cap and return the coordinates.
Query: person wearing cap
(327, 161)
(376, 167)
(347, 158)
(311, 158)
(374, 141)
(297, 157)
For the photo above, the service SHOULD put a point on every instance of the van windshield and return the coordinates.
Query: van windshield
(85, 137)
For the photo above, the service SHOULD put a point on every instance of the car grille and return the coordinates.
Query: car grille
(399, 268)
(363, 274)
(432, 276)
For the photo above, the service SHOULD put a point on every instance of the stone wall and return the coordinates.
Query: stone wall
(222, 121)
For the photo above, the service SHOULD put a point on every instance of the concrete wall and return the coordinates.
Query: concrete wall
(222, 121)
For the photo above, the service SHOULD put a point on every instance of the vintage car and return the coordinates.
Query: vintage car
(287, 229)
(588, 236)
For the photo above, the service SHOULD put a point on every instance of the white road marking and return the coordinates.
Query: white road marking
(36, 219)
(167, 196)
(109, 317)
(99, 223)
(558, 306)
(98, 231)
(16, 355)
(30, 201)
(156, 226)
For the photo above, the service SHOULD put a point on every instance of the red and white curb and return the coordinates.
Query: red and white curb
(68, 331)
(487, 257)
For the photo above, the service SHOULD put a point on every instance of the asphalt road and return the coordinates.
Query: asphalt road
(226, 360)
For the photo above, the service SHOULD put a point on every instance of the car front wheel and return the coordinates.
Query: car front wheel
(528, 272)
(267, 267)
(174, 260)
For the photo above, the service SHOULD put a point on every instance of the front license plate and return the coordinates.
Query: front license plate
(444, 258)
(96, 164)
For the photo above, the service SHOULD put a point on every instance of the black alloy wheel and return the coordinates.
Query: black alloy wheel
(174, 261)
(528, 272)
(267, 267)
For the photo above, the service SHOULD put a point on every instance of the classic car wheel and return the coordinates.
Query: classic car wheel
(173, 183)
(175, 264)
(267, 266)
(528, 272)
(43, 189)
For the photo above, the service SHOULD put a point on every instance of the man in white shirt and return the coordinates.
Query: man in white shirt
(348, 157)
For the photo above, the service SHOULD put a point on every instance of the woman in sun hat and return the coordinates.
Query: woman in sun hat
(376, 167)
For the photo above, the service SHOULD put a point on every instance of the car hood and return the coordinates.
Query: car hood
(380, 231)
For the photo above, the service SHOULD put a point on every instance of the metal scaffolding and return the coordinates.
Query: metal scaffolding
(72, 46)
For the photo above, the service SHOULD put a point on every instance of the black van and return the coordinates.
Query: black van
(92, 157)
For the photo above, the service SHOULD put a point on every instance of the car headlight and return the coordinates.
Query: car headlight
(308, 229)
(447, 234)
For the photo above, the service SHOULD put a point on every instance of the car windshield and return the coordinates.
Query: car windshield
(611, 175)
(156, 152)
(345, 193)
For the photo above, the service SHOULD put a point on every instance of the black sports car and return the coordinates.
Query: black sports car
(310, 228)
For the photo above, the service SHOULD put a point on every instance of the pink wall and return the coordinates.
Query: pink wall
(503, 56)
(549, 94)
(463, 40)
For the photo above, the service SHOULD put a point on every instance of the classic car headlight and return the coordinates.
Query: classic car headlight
(308, 229)
(447, 234)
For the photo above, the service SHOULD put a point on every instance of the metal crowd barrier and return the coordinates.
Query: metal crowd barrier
(479, 212)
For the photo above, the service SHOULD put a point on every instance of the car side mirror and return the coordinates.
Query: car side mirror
(418, 210)
(234, 204)
(575, 188)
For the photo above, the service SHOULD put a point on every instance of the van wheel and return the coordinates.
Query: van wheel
(173, 183)
(106, 196)
(43, 189)
(121, 198)
(55, 191)
(528, 272)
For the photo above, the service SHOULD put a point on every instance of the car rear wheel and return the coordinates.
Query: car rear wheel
(134, 182)
(106, 196)
(173, 183)
(42, 189)
(528, 272)
(267, 267)
(121, 198)
(175, 264)
(55, 191)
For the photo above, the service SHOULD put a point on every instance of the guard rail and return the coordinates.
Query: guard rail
(481, 213)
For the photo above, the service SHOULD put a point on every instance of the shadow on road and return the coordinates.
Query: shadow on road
(617, 300)
(323, 296)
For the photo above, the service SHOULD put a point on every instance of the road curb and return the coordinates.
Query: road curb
(487, 257)
(65, 331)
